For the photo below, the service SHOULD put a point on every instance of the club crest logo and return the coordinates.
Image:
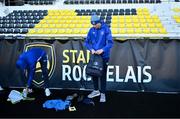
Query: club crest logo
(49, 48)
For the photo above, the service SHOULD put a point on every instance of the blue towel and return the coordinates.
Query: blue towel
(56, 104)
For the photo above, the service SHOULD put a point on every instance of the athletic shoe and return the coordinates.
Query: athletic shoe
(1, 88)
(47, 92)
(94, 93)
(103, 97)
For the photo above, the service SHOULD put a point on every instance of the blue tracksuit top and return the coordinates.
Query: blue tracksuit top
(100, 39)
(28, 61)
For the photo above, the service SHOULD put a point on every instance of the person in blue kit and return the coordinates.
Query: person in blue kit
(99, 41)
(27, 62)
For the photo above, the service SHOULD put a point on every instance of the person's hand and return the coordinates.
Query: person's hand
(93, 51)
(99, 51)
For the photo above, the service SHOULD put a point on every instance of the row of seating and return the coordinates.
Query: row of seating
(17, 25)
(138, 31)
(82, 31)
(13, 30)
(20, 21)
(109, 1)
(39, 2)
(107, 12)
(68, 21)
(58, 31)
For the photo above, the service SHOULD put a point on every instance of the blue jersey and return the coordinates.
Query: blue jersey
(100, 39)
(28, 60)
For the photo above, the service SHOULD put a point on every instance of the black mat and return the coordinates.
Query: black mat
(119, 104)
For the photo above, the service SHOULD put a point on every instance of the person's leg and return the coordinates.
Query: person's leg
(103, 82)
(95, 83)
(95, 92)
(43, 63)
(44, 69)
(103, 78)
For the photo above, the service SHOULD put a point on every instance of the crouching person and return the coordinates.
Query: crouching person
(27, 62)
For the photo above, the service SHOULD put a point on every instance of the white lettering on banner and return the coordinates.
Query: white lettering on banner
(76, 70)
(130, 75)
(67, 71)
(77, 73)
(147, 74)
(109, 73)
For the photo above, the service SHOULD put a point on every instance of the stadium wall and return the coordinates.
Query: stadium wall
(150, 65)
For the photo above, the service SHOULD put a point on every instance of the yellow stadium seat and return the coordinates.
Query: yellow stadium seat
(115, 20)
(114, 25)
(162, 31)
(140, 17)
(159, 25)
(130, 31)
(50, 21)
(157, 20)
(43, 21)
(47, 31)
(121, 20)
(61, 31)
(87, 25)
(68, 21)
(122, 25)
(135, 20)
(150, 20)
(138, 31)
(65, 25)
(45, 25)
(40, 31)
(58, 25)
(84, 21)
(142, 20)
(151, 25)
(115, 17)
(136, 25)
(178, 20)
(31, 31)
(154, 31)
(122, 31)
(84, 31)
(54, 31)
(72, 26)
(38, 26)
(78, 25)
(154, 17)
(128, 20)
(114, 31)
(129, 25)
(62, 22)
(147, 17)
(144, 25)
(75, 21)
(55, 21)
(146, 31)
(68, 31)
(52, 25)
(76, 31)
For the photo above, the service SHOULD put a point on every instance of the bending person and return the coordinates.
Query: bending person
(27, 62)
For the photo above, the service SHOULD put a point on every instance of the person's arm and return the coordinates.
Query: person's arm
(88, 43)
(109, 41)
